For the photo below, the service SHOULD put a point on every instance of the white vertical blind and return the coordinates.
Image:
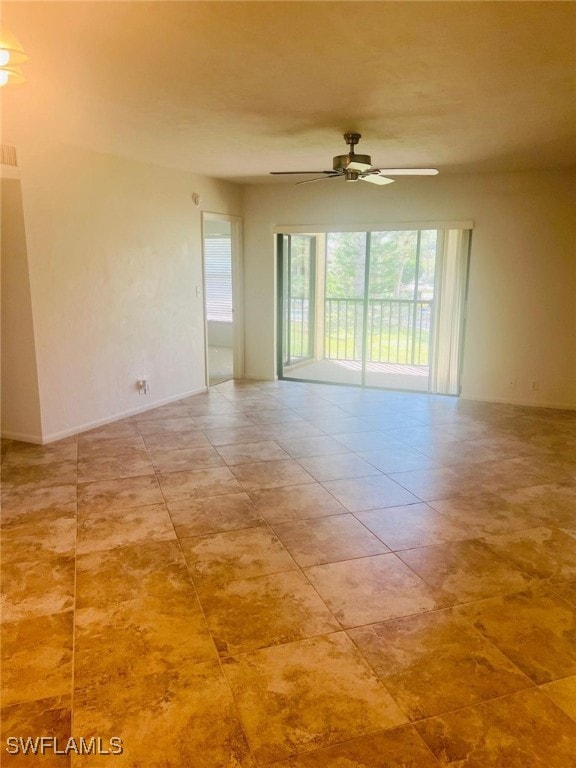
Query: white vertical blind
(218, 277)
(449, 307)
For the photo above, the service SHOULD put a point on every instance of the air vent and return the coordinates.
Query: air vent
(8, 155)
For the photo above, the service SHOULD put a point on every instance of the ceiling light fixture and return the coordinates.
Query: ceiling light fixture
(11, 56)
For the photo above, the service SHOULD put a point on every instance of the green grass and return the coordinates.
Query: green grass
(396, 348)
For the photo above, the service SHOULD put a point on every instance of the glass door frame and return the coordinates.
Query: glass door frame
(284, 264)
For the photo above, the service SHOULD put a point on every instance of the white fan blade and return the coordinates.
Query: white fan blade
(375, 179)
(408, 171)
(355, 166)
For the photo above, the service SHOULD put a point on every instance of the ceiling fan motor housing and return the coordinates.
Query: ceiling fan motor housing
(341, 162)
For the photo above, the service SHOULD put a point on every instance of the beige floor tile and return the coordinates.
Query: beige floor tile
(271, 474)
(186, 458)
(138, 637)
(371, 589)
(34, 476)
(116, 528)
(45, 717)
(269, 610)
(426, 681)
(191, 438)
(500, 475)
(289, 430)
(430, 484)
(258, 566)
(541, 552)
(343, 426)
(199, 517)
(463, 571)
(125, 573)
(307, 695)
(118, 429)
(17, 505)
(223, 421)
(366, 441)
(235, 435)
(414, 525)
(32, 588)
(111, 467)
(37, 658)
(535, 629)
(38, 536)
(563, 693)
(459, 452)
(398, 458)
(111, 495)
(249, 453)
(166, 426)
(275, 416)
(525, 729)
(183, 716)
(27, 454)
(374, 492)
(328, 539)
(337, 466)
(484, 512)
(323, 445)
(223, 557)
(552, 504)
(110, 448)
(397, 748)
(296, 502)
(198, 483)
(566, 589)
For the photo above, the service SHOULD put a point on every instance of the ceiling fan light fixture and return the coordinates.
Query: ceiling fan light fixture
(374, 178)
(351, 175)
(11, 55)
(352, 163)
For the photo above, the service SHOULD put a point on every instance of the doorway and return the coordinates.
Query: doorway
(222, 297)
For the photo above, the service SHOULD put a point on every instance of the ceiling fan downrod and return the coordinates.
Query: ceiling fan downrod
(352, 164)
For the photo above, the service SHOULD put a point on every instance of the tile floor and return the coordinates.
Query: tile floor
(299, 576)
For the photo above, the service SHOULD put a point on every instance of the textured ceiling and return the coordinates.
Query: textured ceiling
(237, 89)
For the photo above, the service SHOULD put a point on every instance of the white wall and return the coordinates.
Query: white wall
(20, 400)
(522, 302)
(114, 252)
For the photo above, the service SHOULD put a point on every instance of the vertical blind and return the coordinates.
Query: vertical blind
(218, 278)
(449, 309)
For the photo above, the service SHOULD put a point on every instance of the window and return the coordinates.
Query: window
(218, 277)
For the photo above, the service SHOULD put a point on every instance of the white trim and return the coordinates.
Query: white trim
(315, 229)
(237, 292)
(529, 403)
(118, 417)
(35, 439)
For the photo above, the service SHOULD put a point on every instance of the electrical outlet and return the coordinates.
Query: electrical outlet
(535, 386)
(142, 386)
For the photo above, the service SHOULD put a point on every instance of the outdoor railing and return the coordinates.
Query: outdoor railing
(397, 330)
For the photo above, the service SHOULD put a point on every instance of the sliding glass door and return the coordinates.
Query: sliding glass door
(365, 308)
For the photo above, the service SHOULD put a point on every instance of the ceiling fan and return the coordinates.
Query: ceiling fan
(353, 167)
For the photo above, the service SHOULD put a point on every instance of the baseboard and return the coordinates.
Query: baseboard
(22, 437)
(523, 403)
(51, 438)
